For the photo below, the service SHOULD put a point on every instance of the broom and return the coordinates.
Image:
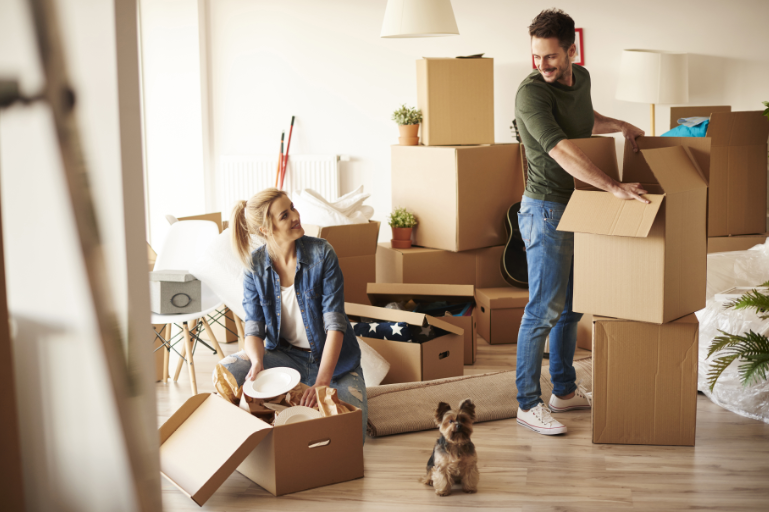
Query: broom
(285, 158)
(280, 160)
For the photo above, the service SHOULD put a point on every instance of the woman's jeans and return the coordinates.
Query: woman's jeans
(350, 387)
(550, 257)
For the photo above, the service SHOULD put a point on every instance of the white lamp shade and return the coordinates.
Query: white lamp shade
(651, 76)
(419, 18)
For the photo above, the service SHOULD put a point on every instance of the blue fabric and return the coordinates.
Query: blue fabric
(688, 131)
(393, 331)
(550, 257)
(351, 387)
(319, 286)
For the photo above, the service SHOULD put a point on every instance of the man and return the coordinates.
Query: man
(553, 105)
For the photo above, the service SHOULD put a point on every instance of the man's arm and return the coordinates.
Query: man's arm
(603, 124)
(576, 163)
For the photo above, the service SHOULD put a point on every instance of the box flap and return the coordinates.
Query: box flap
(738, 128)
(675, 169)
(677, 113)
(381, 293)
(601, 213)
(348, 240)
(602, 152)
(394, 315)
(503, 297)
(195, 461)
(446, 326)
(635, 169)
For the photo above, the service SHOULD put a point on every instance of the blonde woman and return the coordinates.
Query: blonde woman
(294, 302)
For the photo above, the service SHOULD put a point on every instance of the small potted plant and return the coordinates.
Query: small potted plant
(402, 222)
(408, 120)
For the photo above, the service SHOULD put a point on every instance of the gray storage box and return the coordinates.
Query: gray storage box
(174, 291)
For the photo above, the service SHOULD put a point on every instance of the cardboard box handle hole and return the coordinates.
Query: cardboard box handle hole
(318, 444)
(443, 355)
(483, 310)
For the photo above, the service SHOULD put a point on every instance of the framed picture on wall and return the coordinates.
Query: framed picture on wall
(579, 57)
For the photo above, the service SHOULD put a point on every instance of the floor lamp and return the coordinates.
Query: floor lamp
(419, 18)
(654, 77)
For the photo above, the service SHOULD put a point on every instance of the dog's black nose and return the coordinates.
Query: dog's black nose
(457, 427)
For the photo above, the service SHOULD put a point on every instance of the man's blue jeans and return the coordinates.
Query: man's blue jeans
(550, 256)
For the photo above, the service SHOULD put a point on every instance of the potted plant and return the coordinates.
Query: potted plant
(402, 223)
(408, 120)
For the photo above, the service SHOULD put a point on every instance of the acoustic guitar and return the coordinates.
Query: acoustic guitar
(513, 266)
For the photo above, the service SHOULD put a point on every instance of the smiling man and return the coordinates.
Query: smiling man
(553, 105)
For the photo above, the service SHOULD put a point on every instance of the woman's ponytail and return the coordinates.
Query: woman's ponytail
(241, 241)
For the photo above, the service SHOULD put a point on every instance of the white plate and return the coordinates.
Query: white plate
(296, 414)
(271, 383)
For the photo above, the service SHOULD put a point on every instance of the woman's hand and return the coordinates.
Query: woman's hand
(310, 398)
(256, 367)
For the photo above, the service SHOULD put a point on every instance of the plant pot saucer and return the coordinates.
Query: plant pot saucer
(400, 244)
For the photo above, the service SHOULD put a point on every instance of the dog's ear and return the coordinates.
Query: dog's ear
(442, 409)
(467, 407)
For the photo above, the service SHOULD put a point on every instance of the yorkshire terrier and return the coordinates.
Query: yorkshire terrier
(453, 459)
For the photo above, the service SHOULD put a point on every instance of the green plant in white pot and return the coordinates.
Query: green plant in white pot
(402, 223)
(408, 120)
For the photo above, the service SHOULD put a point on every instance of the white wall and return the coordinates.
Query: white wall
(325, 63)
(74, 455)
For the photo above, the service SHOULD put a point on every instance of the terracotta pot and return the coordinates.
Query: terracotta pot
(400, 244)
(409, 134)
(401, 238)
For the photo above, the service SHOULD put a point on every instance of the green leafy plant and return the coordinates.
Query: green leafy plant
(401, 218)
(405, 115)
(766, 112)
(750, 348)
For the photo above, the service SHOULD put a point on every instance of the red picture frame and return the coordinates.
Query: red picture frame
(579, 57)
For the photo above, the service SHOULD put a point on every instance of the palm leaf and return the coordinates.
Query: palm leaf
(752, 300)
(722, 342)
(766, 284)
(754, 369)
(751, 348)
(718, 367)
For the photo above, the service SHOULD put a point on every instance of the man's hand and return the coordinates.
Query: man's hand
(629, 191)
(631, 133)
(256, 367)
(310, 398)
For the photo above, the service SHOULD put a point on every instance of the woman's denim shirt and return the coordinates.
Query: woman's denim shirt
(319, 287)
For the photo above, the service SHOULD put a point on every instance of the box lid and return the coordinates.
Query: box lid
(198, 463)
(675, 169)
(503, 297)
(380, 293)
(601, 213)
(635, 168)
(395, 315)
(348, 240)
(738, 128)
(174, 276)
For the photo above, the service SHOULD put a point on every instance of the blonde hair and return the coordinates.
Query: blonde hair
(246, 219)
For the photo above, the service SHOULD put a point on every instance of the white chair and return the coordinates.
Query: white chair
(181, 249)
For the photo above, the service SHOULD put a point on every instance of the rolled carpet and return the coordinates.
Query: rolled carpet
(409, 407)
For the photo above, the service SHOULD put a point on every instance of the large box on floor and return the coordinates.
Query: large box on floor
(224, 326)
(737, 171)
(645, 381)
(735, 243)
(456, 97)
(499, 312)
(480, 268)
(414, 362)
(644, 262)
(355, 245)
(459, 195)
(585, 332)
(383, 293)
(283, 459)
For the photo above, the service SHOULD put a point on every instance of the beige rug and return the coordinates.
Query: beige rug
(409, 407)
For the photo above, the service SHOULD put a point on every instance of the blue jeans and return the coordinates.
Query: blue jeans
(550, 256)
(350, 387)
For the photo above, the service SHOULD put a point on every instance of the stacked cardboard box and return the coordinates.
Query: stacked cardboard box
(459, 185)
(640, 270)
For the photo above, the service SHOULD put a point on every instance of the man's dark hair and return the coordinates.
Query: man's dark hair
(553, 23)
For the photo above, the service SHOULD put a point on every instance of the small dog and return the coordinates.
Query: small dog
(453, 459)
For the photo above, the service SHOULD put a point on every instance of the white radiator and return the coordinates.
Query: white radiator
(240, 177)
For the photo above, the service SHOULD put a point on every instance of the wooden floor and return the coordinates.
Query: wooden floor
(727, 470)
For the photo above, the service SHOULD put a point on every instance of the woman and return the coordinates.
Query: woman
(294, 302)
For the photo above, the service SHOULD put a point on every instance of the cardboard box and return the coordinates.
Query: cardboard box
(456, 97)
(355, 246)
(480, 268)
(382, 293)
(737, 172)
(585, 332)
(645, 382)
(644, 262)
(224, 329)
(735, 243)
(212, 217)
(283, 459)
(459, 195)
(499, 312)
(414, 362)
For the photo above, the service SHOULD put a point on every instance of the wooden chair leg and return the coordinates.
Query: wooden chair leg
(190, 362)
(241, 332)
(213, 338)
(180, 362)
(166, 352)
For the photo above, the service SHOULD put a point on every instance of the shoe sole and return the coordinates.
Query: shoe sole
(565, 409)
(544, 432)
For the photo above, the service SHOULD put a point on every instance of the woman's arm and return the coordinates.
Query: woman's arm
(327, 365)
(254, 348)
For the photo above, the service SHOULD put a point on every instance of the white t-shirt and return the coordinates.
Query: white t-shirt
(291, 325)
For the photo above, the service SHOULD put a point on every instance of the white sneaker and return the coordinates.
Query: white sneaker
(582, 399)
(539, 420)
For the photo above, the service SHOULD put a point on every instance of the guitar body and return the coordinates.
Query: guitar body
(514, 267)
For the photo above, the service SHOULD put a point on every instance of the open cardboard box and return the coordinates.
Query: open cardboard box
(735, 243)
(382, 293)
(499, 312)
(645, 381)
(196, 458)
(644, 262)
(414, 362)
(355, 245)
